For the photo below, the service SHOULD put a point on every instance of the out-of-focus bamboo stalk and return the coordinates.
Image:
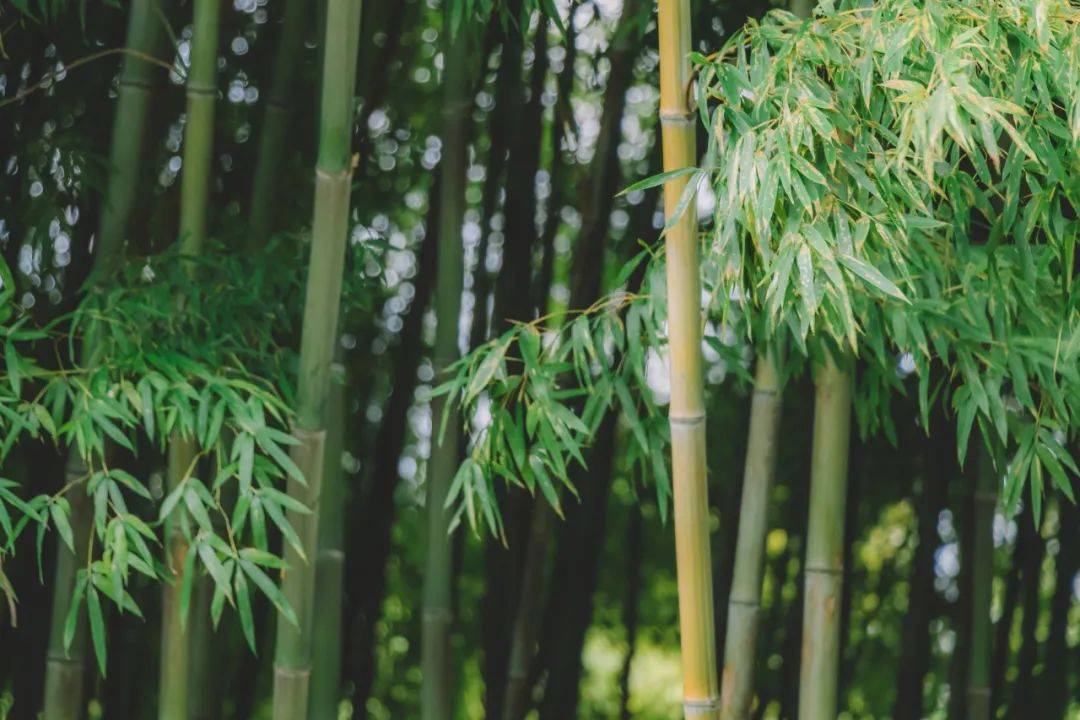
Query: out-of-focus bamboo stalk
(982, 582)
(744, 604)
(272, 136)
(194, 198)
(825, 541)
(436, 693)
(64, 666)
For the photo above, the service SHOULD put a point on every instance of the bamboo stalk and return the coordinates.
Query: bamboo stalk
(436, 694)
(201, 90)
(173, 682)
(272, 140)
(333, 178)
(744, 603)
(64, 667)
(687, 409)
(982, 560)
(326, 635)
(825, 542)
(526, 626)
(129, 131)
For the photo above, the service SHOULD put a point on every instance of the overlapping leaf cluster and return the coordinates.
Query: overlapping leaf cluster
(536, 396)
(215, 370)
(902, 178)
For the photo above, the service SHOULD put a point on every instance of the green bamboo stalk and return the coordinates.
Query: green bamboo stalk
(272, 136)
(64, 667)
(330, 567)
(436, 694)
(194, 198)
(825, 541)
(129, 130)
(687, 409)
(982, 560)
(526, 626)
(803, 8)
(173, 677)
(744, 603)
(204, 696)
(333, 177)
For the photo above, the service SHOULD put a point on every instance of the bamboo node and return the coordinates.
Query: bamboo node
(756, 605)
(438, 614)
(676, 117)
(824, 570)
(701, 706)
(293, 673)
(688, 419)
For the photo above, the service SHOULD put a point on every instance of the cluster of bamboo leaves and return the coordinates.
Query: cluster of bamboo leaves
(217, 371)
(536, 396)
(897, 181)
(900, 178)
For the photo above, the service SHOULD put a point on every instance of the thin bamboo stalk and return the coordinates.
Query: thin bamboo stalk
(129, 131)
(803, 8)
(825, 542)
(526, 627)
(982, 560)
(194, 198)
(333, 178)
(687, 409)
(64, 667)
(276, 119)
(173, 682)
(436, 693)
(326, 635)
(744, 603)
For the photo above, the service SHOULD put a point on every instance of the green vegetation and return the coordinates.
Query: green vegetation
(357, 359)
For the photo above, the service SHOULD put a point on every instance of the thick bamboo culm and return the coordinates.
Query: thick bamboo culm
(687, 409)
(825, 541)
(63, 699)
(330, 225)
(982, 563)
(744, 603)
(201, 90)
(326, 639)
(436, 693)
(272, 136)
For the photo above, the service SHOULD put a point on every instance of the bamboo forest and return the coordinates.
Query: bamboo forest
(539, 359)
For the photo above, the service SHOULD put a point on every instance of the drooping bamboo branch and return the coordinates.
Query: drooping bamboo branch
(825, 541)
(326, 636)
(272, 136)
(687, 409)
(436, 698)
(64, 666)
(194, 198)
(744, 603)
(333, 176)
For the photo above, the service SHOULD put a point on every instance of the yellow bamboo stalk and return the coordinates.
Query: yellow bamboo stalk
(687, 410)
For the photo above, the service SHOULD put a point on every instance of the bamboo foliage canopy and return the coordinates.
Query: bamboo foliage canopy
(902, 179)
